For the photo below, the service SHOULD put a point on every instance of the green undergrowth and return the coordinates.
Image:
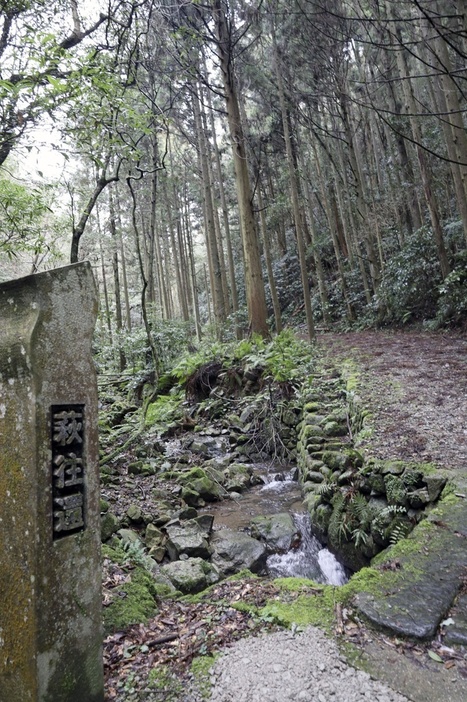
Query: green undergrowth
(134, 604)
(165, 684)
(166, 409)
(135, 600)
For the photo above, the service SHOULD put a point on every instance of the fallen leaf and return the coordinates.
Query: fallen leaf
(434, 656)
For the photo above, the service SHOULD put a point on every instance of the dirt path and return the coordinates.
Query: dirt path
(416, 386)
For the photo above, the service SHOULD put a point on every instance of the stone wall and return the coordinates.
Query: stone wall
(358, 504)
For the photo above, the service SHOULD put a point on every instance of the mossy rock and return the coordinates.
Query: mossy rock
(320, 518)
(191, 575)
(110, 524)
(277, 531)
(392, 467)
(197, 481)
(376, 483)
(133, 603)
(342, 460)
(335, 429)
(435, 485)
(311, 431)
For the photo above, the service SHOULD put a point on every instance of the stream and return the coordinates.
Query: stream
(280, 492)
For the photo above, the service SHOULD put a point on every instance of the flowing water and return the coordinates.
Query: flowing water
(279, 492)
(309, 560)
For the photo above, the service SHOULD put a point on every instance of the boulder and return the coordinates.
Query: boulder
(277, 531)
(110, 523)
(154, 536)
(186, 538)
(197, 481)
(233, 551)
(134, 513)
(434, 485)
(191, 575)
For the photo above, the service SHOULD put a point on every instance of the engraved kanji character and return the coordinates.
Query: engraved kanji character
(67, 427)
(68, 471)
(70, 515)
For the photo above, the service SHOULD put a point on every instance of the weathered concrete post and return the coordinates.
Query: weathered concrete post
(50, 599)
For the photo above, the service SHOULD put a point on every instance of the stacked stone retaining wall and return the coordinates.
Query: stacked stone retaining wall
(358, 504)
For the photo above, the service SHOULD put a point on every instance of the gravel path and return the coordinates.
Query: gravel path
(305, 667)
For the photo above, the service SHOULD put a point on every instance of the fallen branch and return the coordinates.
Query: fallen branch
(120, 449)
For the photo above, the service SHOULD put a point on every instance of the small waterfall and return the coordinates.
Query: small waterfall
(309, 560)
(277, 481)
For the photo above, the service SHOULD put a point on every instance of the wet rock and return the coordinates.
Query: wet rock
(237, 477)
(314, 477)
(205, 522)
(456, 630)
(233, 551)
(277, 531)
(321, 517)
(188, 513)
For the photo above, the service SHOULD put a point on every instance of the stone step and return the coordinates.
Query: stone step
(420, 578)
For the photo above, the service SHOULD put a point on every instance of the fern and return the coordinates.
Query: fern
(326, 489)
(398, 533)
(137, 555)
(359, 537)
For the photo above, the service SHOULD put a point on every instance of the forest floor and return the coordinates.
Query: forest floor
(415, 386)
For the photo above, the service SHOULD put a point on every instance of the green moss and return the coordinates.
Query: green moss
(305, 610)
(165, 409)
(244, 607)
(406, 547)
(200, 668)
(297, 584)
(116, 555)
(166, 685)
(448, 496)
(134, 605)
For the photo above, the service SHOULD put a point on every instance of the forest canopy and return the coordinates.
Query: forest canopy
(240, 166)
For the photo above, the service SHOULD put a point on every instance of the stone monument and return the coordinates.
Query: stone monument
(50, 595)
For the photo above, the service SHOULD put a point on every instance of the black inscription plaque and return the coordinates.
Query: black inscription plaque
(67, 429)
